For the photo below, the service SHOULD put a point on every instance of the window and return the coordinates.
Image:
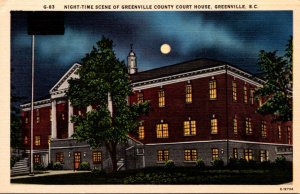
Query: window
(36, 158)
(213, 90)
(37, 140)
(189, 127)
(263, 155)
(63, 116)
(214, 125)
(252, 96)
(49, 139)
(215, 153)
(190, 155)
(59, 157)
(289, 135)
(37, 115)
(97, 157)
(235, 153)
(188, 93)
(162, 130)
(234, 93)
(161, 98)
(140, 97)
(235, 125)
(26, 120)
(245, 94)
(50, 115)
(162, 155)
(25, 140)
(263, 129)
(248, 126)
(248, 154)
(279, 131)
(141, 132)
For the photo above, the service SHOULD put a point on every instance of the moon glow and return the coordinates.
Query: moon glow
(165, 49)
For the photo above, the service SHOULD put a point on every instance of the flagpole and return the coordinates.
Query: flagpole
(32, 106)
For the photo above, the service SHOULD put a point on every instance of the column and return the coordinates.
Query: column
(53, 122)
(70, 125)
(109, 104)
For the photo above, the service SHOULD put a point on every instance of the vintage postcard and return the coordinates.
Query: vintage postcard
(149, 97)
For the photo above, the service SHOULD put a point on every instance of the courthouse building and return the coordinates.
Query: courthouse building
(201, 109)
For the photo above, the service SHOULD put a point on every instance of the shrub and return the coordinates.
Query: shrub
(38, 166)
(233, 163)
(265, 164)
(57, 166)
(252, 164)
(280, 162)
(217, 163)
(200, 164)
(242, 163)
(169, 164)
(50, 166)
(98, 172)
(84, 166)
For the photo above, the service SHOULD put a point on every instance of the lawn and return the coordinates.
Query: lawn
(176, 175)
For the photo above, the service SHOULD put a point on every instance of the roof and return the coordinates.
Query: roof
(183, 67)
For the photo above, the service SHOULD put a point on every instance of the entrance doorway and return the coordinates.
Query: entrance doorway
(77, 160)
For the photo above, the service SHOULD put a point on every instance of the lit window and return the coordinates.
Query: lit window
(161, 98)
(25, 140)
(234, 91)
(248, 126)
(26, 120)
(162, 131)
(97, 157)
(279, 131)
(37, 140)
(37, 115)
(49, 139)
(140, 97)
(189, 127)
(59, 157)
(289, 135)
(162, 155)
(263, 129)
(248, 154)
(235, 125)
(245, 94)
(215, 153)
(190, 155)
(263, 155)
(36, 158)
(214, 125)
(63, 116)
(252, 96)
(141, 132)
(188, 93)
(235, 153)
(213, 89)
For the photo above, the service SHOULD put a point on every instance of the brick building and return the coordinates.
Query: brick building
(199, 109)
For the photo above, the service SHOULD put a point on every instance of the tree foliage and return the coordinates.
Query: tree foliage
(277, 90)
(101, 77)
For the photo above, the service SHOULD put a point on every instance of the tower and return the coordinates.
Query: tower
(131, 61)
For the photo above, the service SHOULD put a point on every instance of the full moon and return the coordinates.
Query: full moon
(165, 49)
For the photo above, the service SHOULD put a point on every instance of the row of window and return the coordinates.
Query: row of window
(189, 128)
(192, 154)
(37, 140)
(212, 93)
(62, 116)
(96, 156)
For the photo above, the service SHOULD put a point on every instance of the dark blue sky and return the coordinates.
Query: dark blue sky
(234, 37)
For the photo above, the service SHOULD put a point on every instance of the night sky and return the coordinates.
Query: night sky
(234, 37)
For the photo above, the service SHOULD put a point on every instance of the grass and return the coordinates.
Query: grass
(177, 175)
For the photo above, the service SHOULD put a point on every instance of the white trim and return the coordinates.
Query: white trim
(130, 148)
(176, 80)
(75, 66)
(284, 153)
(244, 78)
(68, 147)
(38, 151)
(222, 140)
(42, 103)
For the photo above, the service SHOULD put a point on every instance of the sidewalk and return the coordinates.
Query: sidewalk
(48, 173)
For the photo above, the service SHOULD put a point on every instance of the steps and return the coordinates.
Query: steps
(21, 167)
(121, 164)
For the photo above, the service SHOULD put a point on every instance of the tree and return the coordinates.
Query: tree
(104, 83)
(277, 89)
